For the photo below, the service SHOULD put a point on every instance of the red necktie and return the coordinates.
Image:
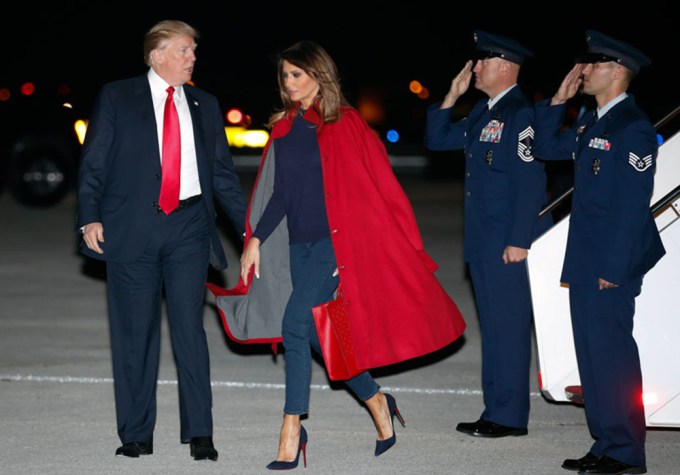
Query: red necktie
(171, 156)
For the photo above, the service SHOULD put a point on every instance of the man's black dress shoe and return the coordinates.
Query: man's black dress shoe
(135, 449)
(489, 429)
(575, 464)
(202, 448)
(609, 465)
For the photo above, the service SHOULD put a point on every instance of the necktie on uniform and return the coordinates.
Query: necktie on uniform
(169, 198)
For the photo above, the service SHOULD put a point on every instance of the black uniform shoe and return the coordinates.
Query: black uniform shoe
(135, 449)
(202, 448)
(609, 465)
(489, 429)
(575, 464)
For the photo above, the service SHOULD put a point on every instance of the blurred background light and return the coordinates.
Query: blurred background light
(234, 116)
(27, 88)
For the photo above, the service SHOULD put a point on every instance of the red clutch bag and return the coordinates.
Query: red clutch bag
(332, 327)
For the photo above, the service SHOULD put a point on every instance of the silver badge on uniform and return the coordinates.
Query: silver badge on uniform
(525, 140)
(640, 164)
(596, 166)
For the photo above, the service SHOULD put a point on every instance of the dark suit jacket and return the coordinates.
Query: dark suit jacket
(120, 169)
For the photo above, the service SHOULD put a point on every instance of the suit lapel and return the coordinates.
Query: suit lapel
(146, 126)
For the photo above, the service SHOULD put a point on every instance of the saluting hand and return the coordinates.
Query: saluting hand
(459, 85)
(570, 84)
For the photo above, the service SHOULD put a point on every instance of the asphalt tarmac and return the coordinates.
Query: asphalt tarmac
(57, 413)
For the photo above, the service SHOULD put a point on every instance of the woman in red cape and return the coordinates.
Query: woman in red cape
(328, 209)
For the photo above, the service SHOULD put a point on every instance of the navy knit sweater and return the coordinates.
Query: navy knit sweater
(298, 187)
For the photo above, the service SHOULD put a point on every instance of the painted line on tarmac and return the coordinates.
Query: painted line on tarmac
(234, 384)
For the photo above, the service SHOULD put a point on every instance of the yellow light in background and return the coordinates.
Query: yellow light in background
(236, 136)
(241, 137)
(80, 127)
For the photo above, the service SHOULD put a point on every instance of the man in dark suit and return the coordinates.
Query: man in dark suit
(505, 188)
(152, 243)
(612, 242)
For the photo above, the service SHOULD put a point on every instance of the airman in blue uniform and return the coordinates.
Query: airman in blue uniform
(505, 188)
(612, 242)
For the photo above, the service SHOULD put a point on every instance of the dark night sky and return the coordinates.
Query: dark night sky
(378, 46)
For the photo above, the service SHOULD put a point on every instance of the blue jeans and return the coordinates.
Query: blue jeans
(312, 266)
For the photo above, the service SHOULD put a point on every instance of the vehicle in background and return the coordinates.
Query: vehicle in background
(39, 144)
(44, 125)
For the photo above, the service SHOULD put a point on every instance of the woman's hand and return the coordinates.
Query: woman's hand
(250, 258)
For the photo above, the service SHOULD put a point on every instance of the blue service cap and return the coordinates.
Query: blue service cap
(602, 49)
(488, 45)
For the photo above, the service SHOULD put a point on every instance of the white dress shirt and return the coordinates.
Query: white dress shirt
(189, 184)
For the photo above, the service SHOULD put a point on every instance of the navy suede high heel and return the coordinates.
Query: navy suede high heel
(302, 447)
(382, 446)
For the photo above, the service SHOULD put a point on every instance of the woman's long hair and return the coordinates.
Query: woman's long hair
(317, 63)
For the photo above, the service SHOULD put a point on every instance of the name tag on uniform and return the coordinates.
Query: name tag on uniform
(599, 144)
(492, 132)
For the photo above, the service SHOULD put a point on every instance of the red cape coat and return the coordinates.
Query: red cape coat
(397, 308)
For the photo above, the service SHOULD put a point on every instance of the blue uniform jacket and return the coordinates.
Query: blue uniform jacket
(612, 233)
(504, 186)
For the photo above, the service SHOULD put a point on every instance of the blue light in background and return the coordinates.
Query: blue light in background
(392, 136)
(659, 139)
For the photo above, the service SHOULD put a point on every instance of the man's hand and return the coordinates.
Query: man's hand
(93, 234)
(513, 254)
(603, 284)
(570, 84)
(459, 85)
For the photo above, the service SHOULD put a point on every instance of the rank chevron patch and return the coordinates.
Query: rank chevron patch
(524, 142)
(640, 164)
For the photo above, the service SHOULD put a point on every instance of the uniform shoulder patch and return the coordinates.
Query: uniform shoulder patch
(640, 164)
(525, 140)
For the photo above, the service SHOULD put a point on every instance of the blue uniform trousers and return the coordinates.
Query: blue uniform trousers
(503, 300)
(609, 369)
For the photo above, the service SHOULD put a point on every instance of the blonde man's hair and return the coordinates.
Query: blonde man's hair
(163, 31)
